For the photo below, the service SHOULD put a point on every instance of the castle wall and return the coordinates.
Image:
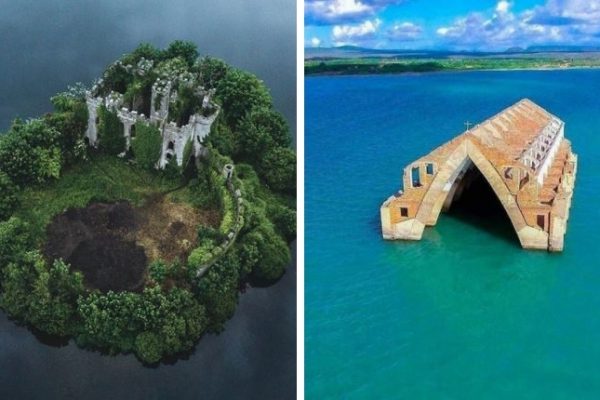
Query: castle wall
(174, 138)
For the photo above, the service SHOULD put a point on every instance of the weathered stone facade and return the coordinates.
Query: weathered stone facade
(175, 138)
(523, 155)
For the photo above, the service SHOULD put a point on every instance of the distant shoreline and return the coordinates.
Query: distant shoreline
(348, 69)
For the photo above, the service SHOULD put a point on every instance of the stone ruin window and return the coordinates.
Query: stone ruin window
(171, 146)
(97, 120)
(403, 212)
(541, 221)
(429, 168)
(132, 132)
(416, 178)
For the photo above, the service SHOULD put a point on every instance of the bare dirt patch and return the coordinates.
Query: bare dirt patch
(112, 243)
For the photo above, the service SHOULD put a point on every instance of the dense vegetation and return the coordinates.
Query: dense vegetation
(397, 65)
(46, 168)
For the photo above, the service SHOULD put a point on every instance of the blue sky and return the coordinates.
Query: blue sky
(451, 24)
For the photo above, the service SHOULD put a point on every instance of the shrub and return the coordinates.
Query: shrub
(261, 130)
(222, 138)
(158, 270)
(218, 291)
(239, 93)
(228, 220)
(185, 50)
(30, 153)
(146, 145)
(208, 232)
(278, 168)
(201, 255)
(110, 132)
(70, 118)
(148, 347)
(172, 170)
(284, 220)
(212, 71)
(14, 241)
(8, 198)
(40, 296)
(274, 253)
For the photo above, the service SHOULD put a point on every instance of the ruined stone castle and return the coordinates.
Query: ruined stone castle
(174, 137)
(523, 155)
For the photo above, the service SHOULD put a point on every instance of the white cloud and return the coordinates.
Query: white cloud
(315, 42)
(351, 34)
(329, 12)
(443, 31)
(405, 31)
(556, 22)
(502, 6)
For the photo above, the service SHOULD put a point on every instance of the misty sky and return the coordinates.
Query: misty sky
(451, 24)
(47, 45)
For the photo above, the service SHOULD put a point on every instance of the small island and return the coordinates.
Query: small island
(133, 214)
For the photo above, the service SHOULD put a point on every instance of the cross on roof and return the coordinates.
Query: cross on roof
(468, 125)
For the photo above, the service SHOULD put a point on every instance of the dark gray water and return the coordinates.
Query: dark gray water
(48, 45)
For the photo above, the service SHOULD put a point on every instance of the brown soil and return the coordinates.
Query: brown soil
(112, 243)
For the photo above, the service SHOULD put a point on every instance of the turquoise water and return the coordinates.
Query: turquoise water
(464, 313)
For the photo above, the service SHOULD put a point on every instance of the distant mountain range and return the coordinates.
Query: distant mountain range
(357, 52)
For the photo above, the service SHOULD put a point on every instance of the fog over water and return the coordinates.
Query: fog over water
(46, 46)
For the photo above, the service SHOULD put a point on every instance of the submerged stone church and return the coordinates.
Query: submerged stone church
(523, 155)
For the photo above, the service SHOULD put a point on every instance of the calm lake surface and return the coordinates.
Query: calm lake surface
(48, 45)
(464, 313)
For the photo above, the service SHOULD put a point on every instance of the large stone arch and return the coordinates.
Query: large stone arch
(443, 183)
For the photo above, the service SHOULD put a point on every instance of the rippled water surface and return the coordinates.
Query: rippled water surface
(464, 313)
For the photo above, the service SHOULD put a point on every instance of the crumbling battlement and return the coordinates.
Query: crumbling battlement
(175, 138)
(523, 155)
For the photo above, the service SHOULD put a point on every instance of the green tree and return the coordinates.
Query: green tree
(222, 138)
(70, 120)
(14, 241)
(8, 199)
(110, 132)
(218, 291)
(284, 219)
(116, 78)
(153, 323)
(42, 297)
(212, 71)
(240, 92)
(146, 145)
(261, 130)
(108, 321)
(144, 50)
(148, 347)
(278, 168)
(158, 270)
(30, 152)
(274, 253)
(185, 50)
